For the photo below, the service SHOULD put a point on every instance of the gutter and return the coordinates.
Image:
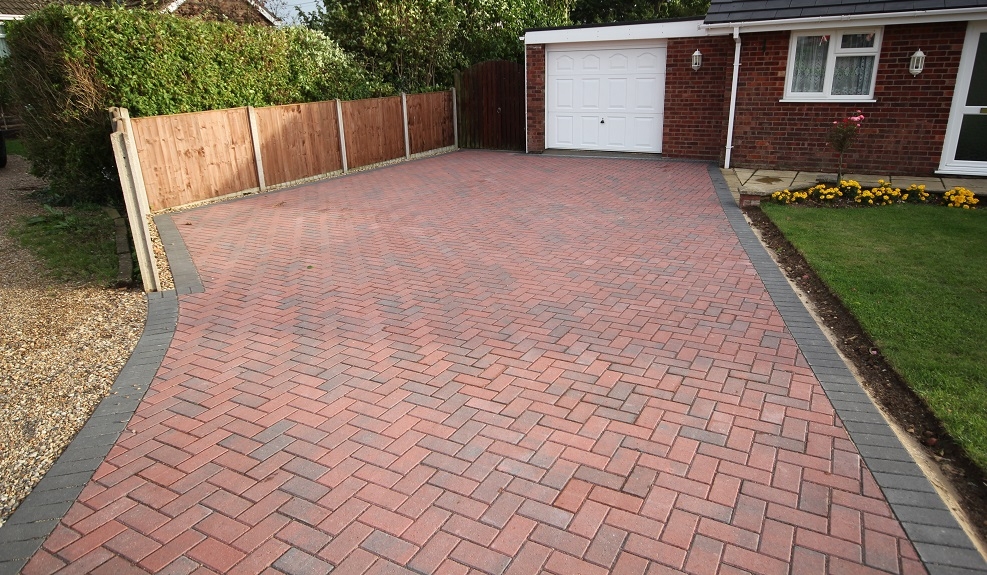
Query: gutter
(733, 96)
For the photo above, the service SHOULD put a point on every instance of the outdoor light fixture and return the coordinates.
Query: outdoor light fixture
(917, 63)
(697, 60)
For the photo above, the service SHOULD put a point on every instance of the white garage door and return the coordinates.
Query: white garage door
(609, 99)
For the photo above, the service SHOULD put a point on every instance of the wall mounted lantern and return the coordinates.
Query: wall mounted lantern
(917, 63)
(697, 60)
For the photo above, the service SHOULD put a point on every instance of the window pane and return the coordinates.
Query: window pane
(809, 70)
(972, 143)
(852, 75)
(857, 41)
(977, 96)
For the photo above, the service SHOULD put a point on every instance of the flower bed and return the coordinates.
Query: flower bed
(849, 193)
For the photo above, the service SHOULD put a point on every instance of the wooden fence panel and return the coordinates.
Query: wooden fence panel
(298, 141)
(430, 121)
(374, 130)
(491, 106)
(191, 157)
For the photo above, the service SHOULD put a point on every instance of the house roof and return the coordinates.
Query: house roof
(19, 7)
(735, 11)
(25, 7)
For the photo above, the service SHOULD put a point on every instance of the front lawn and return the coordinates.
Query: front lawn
(915, 277)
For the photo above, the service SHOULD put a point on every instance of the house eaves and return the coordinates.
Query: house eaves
(756, 22)
(264, 12)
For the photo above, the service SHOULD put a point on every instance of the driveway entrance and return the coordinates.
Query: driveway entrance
(482, 362)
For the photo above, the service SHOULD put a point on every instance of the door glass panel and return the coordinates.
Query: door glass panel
(977, 96)
(972, 143)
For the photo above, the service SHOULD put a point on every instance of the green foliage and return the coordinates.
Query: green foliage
(603, 11)
(914, 276)
(418, 44)
(77, 244)
(69, 63)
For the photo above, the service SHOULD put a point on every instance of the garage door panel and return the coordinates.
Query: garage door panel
(563, 130)
(646, 95)
(646, 131)
(590, 93)
(563, 94)
(622, 86)
(617, 131)
(589, 131)
(617, 93)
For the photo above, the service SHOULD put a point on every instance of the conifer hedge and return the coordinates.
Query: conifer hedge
(69, 63)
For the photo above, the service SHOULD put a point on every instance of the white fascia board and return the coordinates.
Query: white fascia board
(646, 31)
(854, 20)
(11, 16)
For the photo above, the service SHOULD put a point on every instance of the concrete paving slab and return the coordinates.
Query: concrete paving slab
(931, 184)
(976, 185)
(744, 174)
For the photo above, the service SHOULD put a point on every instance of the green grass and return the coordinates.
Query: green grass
(916, 278)
(15, 147)
(77, 244)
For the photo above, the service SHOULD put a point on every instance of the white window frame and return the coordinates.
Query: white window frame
(835, 51)
(4, 51)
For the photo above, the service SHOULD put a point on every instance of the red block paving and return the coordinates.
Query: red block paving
(488, 363)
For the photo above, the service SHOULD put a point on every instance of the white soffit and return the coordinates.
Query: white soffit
(647, 31)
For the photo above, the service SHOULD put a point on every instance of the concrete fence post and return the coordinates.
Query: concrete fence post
(342, 134)
(134, 195)
(255, 138)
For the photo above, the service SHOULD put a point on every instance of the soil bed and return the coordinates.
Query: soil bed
(884, 384)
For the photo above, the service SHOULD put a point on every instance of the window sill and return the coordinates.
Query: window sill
(825, 101)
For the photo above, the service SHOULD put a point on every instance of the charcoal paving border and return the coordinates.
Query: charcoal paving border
(940, 541)
(36, 517)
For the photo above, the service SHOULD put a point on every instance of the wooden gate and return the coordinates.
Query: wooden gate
(491, 105)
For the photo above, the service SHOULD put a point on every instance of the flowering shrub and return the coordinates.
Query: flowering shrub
(960, 198)
(915, 194)
(787, 197)
(823, 194)
(842, 135)
(882, 195)
(850, 188)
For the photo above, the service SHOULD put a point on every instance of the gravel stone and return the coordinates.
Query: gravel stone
(61, 347)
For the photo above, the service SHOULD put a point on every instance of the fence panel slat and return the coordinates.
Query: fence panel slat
(192, 157)
(430, 121)
(374, 130)
(299, 141)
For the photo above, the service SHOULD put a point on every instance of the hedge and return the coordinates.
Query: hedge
(69, 63)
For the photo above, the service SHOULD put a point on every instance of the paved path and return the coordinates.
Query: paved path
(481, 362)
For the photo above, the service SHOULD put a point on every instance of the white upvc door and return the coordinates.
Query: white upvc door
(609, 99)
(965, 149)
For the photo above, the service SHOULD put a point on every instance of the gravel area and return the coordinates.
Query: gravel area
(61, 347)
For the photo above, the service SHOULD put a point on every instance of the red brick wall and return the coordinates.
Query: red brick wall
(904, 130)
(535, 58)
(697, 102)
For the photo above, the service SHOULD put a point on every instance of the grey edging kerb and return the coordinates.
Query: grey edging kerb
(940, 541)
(36, 517)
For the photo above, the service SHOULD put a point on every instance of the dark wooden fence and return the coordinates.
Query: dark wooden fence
(491, 106)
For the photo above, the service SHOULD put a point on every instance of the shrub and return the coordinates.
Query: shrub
(788, 197)
(882, 195)
(69, 63)
(959, 197)
(915, 194)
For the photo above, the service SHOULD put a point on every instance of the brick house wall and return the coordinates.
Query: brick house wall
(535, 87)
(904, 130)
(697, 103)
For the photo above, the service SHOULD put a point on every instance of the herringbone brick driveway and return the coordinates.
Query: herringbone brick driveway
(481, 362)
